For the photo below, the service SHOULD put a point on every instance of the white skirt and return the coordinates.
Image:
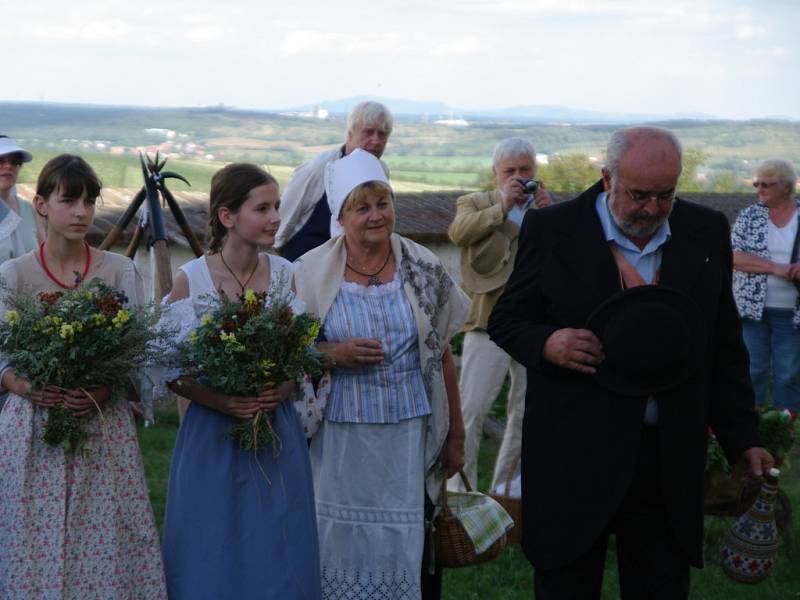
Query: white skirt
(369, 485)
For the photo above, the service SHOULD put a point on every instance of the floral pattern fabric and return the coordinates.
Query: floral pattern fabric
(75, 526)
(749, 235)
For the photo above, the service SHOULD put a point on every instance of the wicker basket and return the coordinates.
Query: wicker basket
(454, 548)
(512, 504)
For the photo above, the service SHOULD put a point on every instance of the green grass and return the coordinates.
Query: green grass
(510, 577)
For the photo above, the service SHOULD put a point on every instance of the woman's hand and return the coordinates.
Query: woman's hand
(246, 407)
(46, 398)
(353, 353)
(84, 402)
(271, 397)
(241, 407)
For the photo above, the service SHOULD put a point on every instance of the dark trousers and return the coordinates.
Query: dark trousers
(651, 565)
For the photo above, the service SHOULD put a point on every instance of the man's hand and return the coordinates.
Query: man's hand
(511, 193)
(542, 197)
(576, 349)
(757, 462)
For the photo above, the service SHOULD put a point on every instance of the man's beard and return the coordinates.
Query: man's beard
(640, 226)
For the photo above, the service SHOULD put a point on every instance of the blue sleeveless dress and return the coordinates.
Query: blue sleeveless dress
(238, 525)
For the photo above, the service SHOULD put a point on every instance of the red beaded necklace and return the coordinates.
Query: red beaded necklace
(53, 277)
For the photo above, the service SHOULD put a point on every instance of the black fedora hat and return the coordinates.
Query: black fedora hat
(652, 338)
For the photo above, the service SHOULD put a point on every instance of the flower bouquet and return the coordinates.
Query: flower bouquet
(248, 344)
(77, 339)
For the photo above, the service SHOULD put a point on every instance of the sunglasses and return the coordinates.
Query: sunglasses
(764, 184)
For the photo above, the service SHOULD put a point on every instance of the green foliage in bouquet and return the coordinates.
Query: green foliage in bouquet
(77, 339)
(777, 432)
(246, 345)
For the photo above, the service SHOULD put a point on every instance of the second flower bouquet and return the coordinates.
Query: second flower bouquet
(250, 343)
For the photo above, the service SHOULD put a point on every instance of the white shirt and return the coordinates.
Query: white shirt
(781, 293)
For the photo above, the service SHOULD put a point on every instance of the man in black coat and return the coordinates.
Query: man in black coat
(601, 456)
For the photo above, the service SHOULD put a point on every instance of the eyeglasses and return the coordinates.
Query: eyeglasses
(644, 197)
(764, 184)
(11, 159)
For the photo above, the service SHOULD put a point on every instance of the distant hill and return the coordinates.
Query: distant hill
(422, 154)
(539, 113)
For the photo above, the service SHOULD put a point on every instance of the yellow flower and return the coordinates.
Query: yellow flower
(266, 367)
(193, 337)
(122, 316)
(99, 318)
(206, 319)
(67, 332)
(250, 297)
(312, 334)
(12, 317)
(230, 339)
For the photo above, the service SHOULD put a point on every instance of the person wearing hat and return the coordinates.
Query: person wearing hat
(304, 209)
(392, 428)
(620, 306)
(18, 229)
(486, 227)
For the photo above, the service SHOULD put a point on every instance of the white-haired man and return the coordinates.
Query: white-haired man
(305, 215)
(486, 227)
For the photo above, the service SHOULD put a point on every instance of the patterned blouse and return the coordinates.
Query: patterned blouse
(750, 235)
(393, 390)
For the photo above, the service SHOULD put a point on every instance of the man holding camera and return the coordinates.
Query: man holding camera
(486, 227)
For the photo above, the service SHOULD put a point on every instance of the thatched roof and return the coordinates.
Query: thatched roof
(423, 217)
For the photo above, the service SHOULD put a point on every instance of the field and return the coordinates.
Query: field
(510, 577)
(422, 155)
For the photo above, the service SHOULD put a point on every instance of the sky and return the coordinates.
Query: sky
(727, 58)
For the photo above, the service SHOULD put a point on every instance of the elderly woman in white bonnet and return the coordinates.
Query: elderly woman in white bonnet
(18, 230)
(392, 428)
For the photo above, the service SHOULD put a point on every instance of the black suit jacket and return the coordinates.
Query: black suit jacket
(580, 441)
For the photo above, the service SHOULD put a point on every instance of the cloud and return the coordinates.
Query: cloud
(204, 34)
(462, 46)
(745, 27)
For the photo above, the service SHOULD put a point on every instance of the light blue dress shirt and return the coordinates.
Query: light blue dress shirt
(646, 261)
(517, 212)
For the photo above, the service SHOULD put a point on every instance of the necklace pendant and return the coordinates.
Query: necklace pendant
(373, 280)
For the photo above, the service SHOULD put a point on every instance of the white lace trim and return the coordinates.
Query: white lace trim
(369, 585)
(402, 517)
(180, 318)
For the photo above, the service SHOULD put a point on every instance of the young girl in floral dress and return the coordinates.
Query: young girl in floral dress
(238, 524)
(73, 525)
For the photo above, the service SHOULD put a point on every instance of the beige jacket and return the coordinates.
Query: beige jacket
(481, 230)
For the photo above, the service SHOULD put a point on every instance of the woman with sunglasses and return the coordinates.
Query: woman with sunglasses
(766, 282)
(18, 232)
